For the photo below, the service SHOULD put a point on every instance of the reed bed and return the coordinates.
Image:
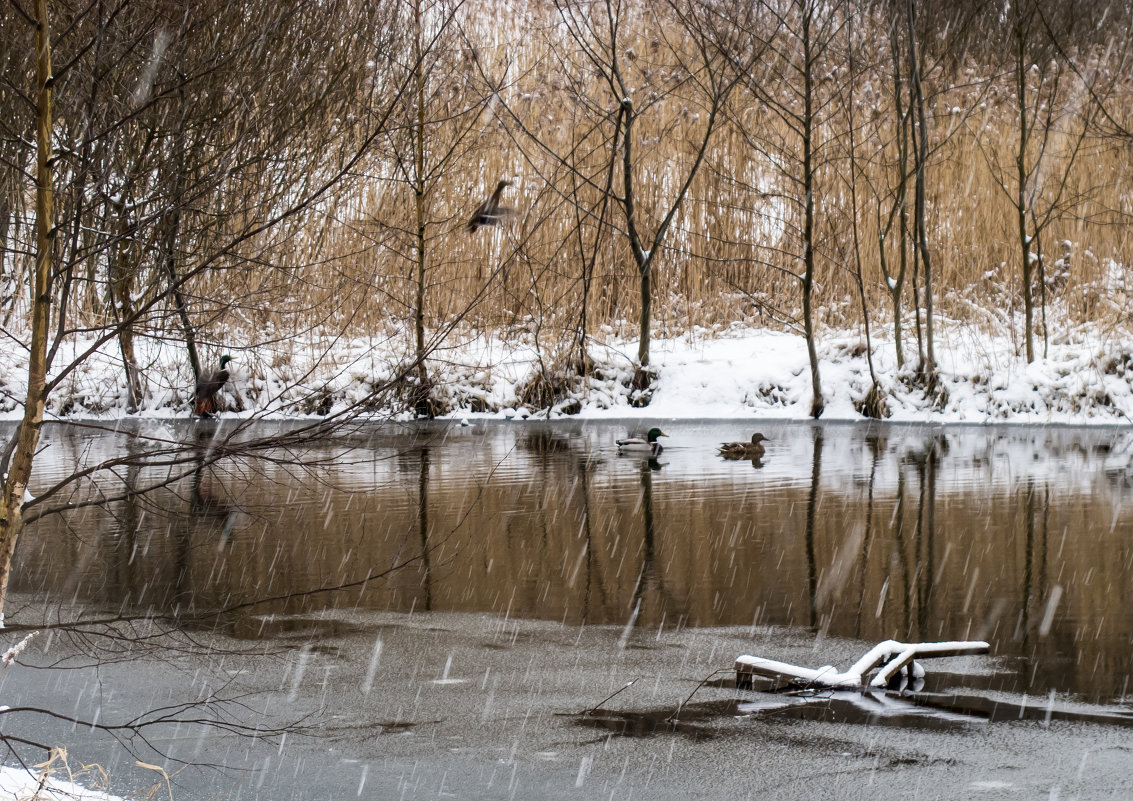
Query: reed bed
(734, 251)
(503, 91)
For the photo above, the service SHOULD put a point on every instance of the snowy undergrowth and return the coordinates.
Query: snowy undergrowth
(21, 783)
(727, 373)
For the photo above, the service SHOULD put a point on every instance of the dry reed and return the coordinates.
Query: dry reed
(506, 93)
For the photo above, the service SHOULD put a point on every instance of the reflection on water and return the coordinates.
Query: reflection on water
(1020, 536)
(946, 711)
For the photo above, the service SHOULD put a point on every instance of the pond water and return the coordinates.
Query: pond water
(1017, 535)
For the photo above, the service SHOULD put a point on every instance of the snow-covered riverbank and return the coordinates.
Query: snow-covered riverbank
(734, 373)
(31, 783)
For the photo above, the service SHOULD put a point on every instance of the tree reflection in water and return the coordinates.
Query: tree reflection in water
(1018, 537)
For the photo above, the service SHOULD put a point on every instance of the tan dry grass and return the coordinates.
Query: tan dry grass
(734, 237)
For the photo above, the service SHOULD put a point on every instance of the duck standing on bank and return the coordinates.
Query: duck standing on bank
(744, 450)
(646, 447)
(207, 386)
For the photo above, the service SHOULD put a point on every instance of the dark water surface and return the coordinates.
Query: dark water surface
(1018, 535)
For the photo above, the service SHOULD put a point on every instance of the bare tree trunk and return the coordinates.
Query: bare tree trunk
(120, 291)
(27, 435)
(874, 403)
(173, 224)
(1042, 291)
(643, 259)
(918, 323)
(421, 395)
(581, 341)
(928, 368)
(903, 239)
(896, 284)
(817, 404)
(1022, 177)
(645, 270)
(172, 229)
(9, 198)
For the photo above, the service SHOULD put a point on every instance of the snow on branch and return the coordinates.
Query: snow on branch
(10, 655)
(890, 655)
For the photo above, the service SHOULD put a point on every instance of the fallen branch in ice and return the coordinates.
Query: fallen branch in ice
(892, 656)
(684, 703)
(598, 705)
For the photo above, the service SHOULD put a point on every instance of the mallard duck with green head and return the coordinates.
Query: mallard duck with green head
(646, 447)
(744, 450)
(207, 386)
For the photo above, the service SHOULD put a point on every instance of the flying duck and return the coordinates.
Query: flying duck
(490, 212)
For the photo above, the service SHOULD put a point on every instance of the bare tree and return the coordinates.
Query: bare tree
(434, 132)
(873, 404)
(920, 139)
(252, 166)
(798, 95)
(896, 197)
(1052, 124)
(599, 33)
(21, 450)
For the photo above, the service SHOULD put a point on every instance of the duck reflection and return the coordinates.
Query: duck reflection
(210, 505)
(196, 509)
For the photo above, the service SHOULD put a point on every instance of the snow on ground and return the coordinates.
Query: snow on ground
(737, 372)
(43, 782)
(18, 783)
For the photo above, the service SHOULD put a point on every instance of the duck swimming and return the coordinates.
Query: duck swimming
(648, 446)
(744, 450)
